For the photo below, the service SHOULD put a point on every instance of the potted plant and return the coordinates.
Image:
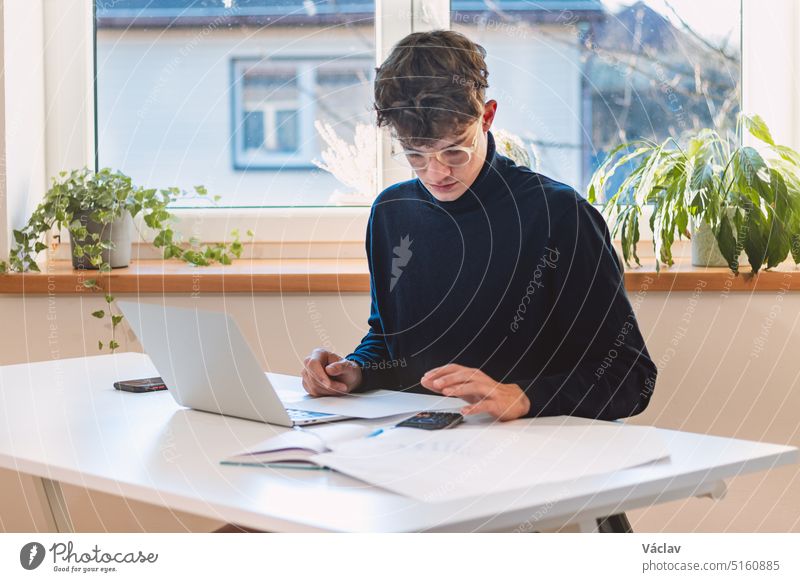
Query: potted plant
(733, 197)
(97, 209)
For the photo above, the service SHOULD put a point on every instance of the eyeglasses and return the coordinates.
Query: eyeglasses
(453, 156)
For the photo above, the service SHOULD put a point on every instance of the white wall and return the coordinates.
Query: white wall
(69, 85)
(770, 66)
(22, 171)
(727, 362)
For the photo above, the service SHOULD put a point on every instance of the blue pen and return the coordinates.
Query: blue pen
(380, 430)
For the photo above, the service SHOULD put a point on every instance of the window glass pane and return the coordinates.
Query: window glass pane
(337, 87)
(573, 79)
(253, 130)
(231, 93)
(285, 133)
(274, 94)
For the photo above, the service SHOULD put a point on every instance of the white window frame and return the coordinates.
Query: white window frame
(769, 87)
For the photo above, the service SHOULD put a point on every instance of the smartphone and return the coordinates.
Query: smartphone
(141, 385)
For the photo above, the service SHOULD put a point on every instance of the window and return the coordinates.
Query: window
(231, 94)
(245, 97)
(575, 79)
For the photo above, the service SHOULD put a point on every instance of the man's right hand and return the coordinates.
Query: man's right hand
(326, 374)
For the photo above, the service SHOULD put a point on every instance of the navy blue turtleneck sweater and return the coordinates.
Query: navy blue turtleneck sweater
(516, 277)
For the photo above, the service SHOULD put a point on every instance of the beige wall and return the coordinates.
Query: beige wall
(728, 367)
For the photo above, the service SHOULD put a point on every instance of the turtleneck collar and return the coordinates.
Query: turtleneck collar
(475, 196)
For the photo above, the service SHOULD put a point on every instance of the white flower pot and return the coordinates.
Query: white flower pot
(118, 232)
(705, 249)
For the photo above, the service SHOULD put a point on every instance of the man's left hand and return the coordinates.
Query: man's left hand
(484, 394)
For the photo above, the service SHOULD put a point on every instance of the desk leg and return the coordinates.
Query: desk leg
(717, 492)
(617, 523)
(51, 499)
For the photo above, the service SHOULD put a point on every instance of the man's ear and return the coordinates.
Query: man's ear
(489, 110)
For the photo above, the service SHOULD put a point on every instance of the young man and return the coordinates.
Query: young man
(490, 282)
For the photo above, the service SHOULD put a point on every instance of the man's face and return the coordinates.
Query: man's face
(447, 183)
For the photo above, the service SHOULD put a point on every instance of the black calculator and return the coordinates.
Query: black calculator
(432, 420)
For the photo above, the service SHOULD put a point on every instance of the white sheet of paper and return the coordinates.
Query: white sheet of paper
(377, 403)
(435, 466)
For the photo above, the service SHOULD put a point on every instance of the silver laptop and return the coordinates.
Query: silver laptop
(207, 365)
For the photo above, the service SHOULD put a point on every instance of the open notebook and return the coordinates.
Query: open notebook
(466, 461)
(294, 448)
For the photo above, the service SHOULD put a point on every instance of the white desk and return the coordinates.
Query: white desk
(64, 423)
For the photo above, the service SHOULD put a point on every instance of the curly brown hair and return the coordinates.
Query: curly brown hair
(432, 85)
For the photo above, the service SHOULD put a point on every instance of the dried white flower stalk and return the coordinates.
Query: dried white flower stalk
(511, 146)
(354, 165)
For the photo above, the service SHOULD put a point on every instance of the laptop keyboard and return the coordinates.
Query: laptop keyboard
(295, 414)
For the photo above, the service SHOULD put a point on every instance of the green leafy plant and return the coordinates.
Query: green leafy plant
(106, 196)
(749, 199)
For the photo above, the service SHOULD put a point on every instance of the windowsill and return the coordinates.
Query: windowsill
(347, 275)
(172, 276)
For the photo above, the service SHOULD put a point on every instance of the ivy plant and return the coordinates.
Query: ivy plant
(749, 197)
(106, 196)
